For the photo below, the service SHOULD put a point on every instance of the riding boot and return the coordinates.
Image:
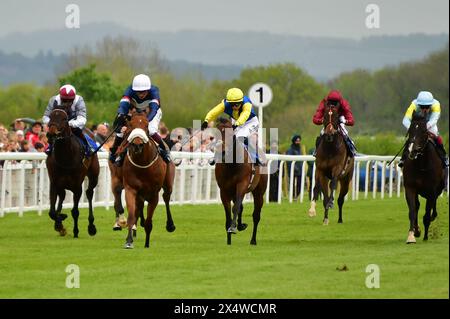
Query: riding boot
(163, 148)
(402, 159)
(350, 145)
(79, 133)
(442, 154)
(317, 144)
(112, 151)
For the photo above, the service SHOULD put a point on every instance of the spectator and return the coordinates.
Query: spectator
(20, 136)
(43, 139)
(101, 133)
(295, 149)
(165, 135)
(39, 147)
(33, 135)
(19, 125)
(25, 146)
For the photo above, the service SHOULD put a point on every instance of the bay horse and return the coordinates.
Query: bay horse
(235, 179)
(333, 164)
(144, 173)
(67, 167)
(423, 175)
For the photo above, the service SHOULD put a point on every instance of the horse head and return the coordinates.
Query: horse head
(138, 132)
(226, 130)
(58, 126)
(418, 135)
(330, 121)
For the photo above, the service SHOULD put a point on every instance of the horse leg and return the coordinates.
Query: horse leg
(93, 180)
(241, 226)
(152, 203)
(345, 183)
(324, 186)
(170, 226)
(240, 193)
(316, 192)
(60, 217)
(140, 214)
(434, 215)
(258, 201)
(130, 198)
(118, 207)
(431, 203)
(75, 211)
(54, 215)
(416, 222)
(411, 201)
(333, 186)
(226, 201)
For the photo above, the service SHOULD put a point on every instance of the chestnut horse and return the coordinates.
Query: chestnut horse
(333, 164)
(67, 167)
(144, 173)
(423, 175)
(235, 179)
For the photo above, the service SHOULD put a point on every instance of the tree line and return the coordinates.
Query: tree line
(378, 99)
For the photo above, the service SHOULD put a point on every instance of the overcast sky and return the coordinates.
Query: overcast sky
(342, 18)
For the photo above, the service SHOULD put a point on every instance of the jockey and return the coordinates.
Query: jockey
(145, 97)
(431, 109)
(69, 100)
(243, 118)
(334, 98)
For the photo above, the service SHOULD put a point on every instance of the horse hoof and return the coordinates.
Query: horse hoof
(340, 221)
(170, 228)
(411, 239)
(92, 230)
(117, 227)
(417, 233)
(325, 222)
(128, 246)
(232, 230)
(253, 242)
(242, 227)
(312, 213)
(425, 238)
(122, 222)
(62, 232)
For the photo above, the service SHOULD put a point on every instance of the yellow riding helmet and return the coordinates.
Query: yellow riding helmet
(235, 95)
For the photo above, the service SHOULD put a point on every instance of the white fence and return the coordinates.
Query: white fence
(25, 185)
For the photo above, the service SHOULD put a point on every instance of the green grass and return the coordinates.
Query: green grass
(296, 256)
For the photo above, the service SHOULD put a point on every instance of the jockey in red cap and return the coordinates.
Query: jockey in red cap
(345, 116)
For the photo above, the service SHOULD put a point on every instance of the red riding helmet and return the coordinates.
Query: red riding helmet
(67, 92)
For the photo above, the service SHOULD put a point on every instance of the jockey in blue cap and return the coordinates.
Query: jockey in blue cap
(144, 96)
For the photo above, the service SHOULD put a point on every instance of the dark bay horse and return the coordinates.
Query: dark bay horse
(423, 175)
(235, 179)
(144, 173)
(67, 167)
(333, 164)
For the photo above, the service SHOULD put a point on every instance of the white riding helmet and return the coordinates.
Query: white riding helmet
(425, 98)
(141, 82)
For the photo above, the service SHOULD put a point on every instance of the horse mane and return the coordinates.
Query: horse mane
(224, 121)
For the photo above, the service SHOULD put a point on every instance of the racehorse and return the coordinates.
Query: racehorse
(235, 179)
(423, 175)
(333, 164)
(67, 167)
(144, 173)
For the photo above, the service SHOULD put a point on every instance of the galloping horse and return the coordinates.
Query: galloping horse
(423, 175)
(67, 167)
(144, 173)
(235, 180)
(333, 164)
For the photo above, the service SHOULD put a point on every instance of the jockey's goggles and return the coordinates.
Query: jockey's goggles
(233, 104)
(424, 107)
